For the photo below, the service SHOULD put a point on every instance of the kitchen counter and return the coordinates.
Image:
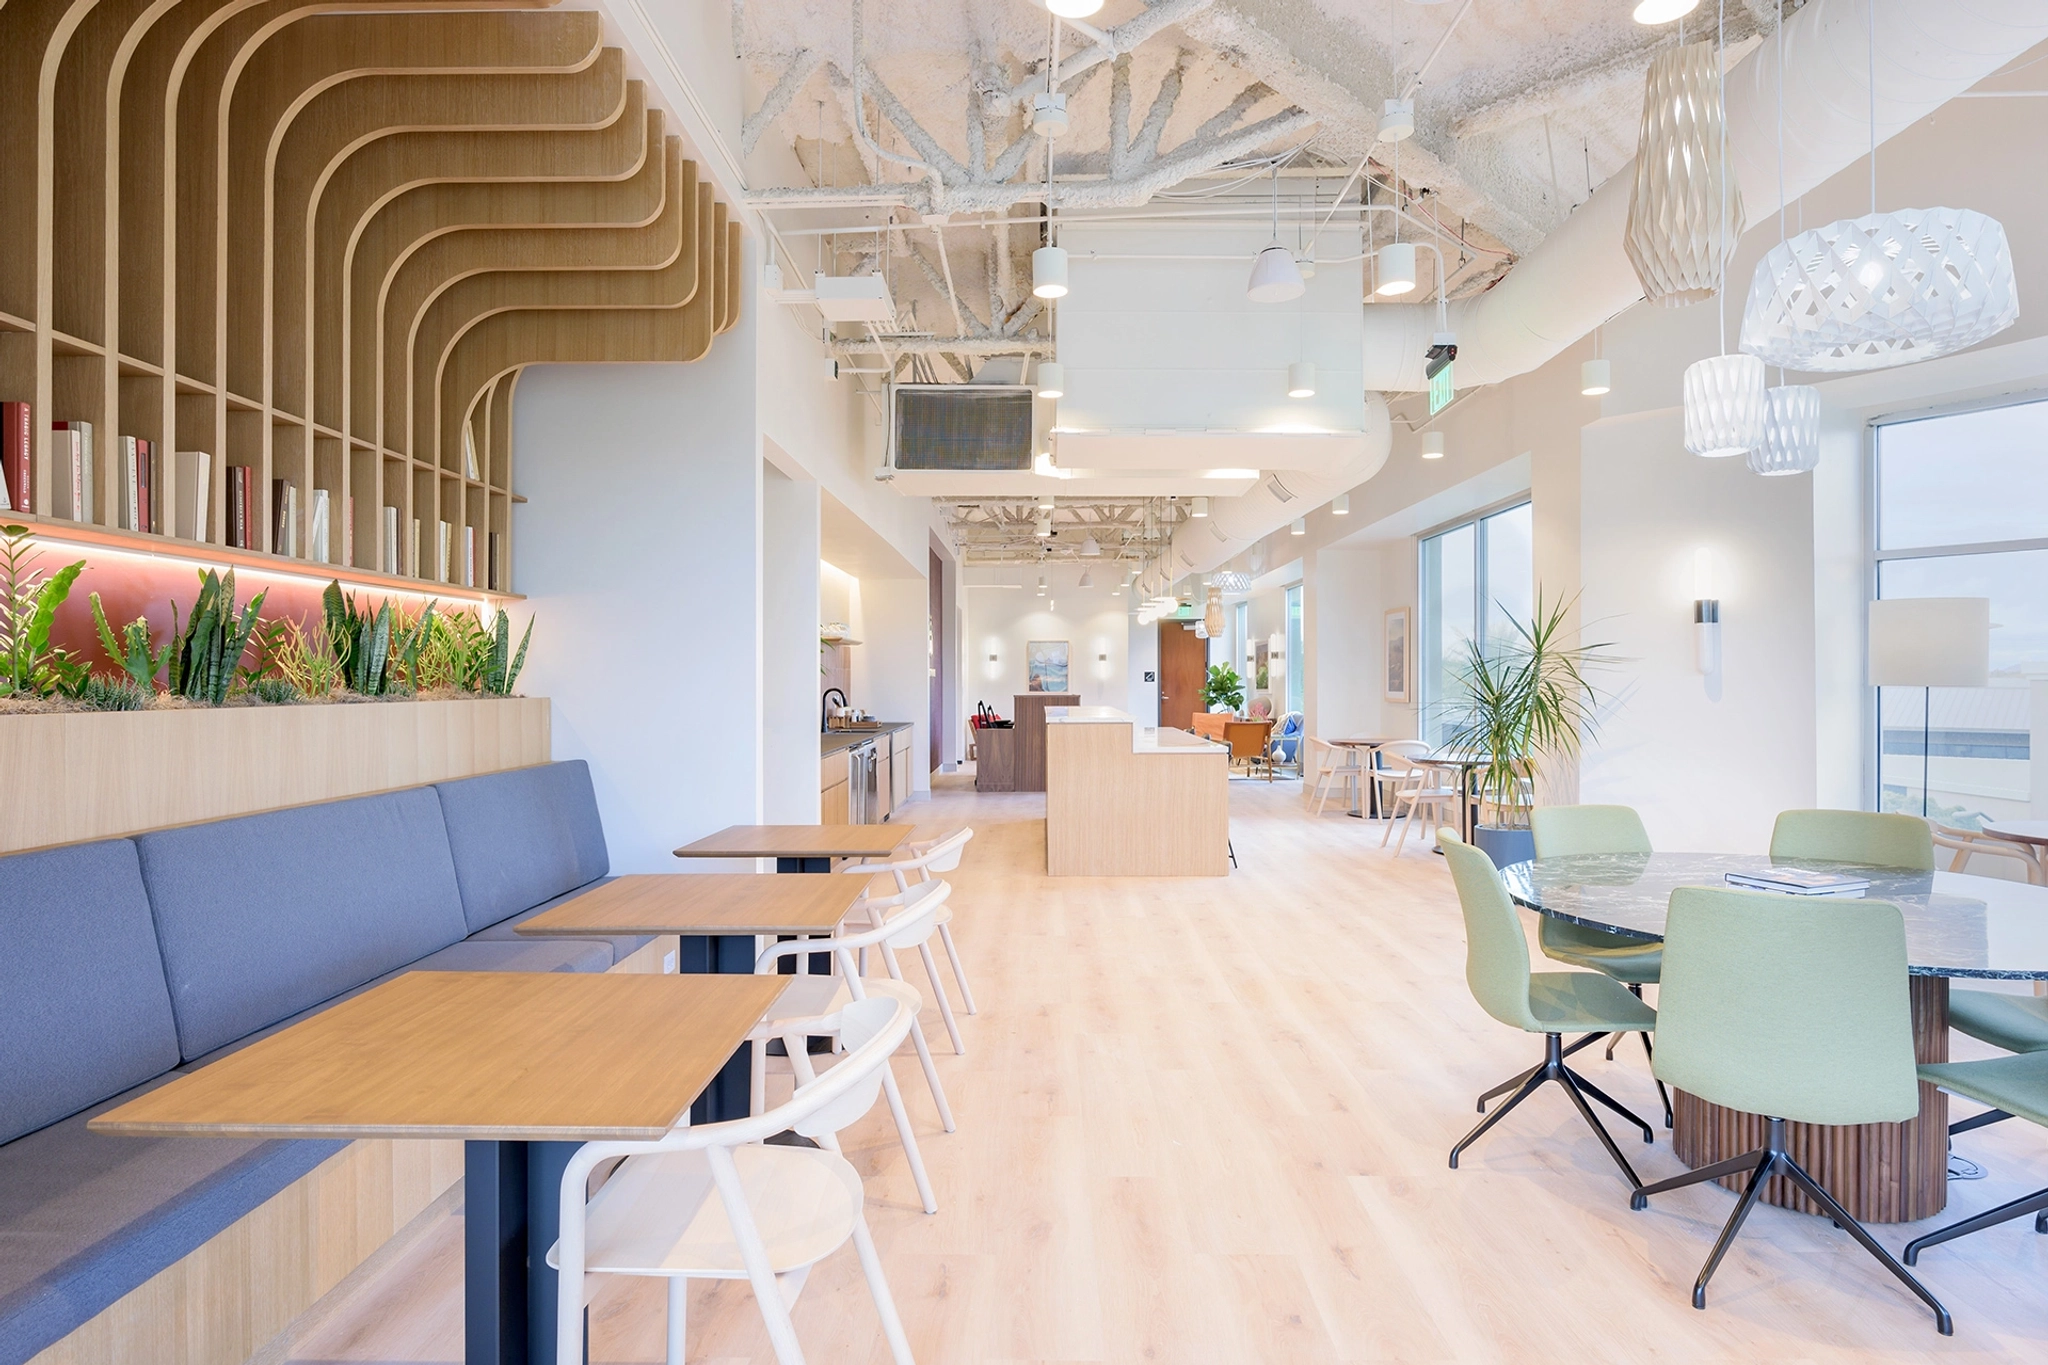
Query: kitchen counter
(1126, 800)
(833, 741)
(1145, 739)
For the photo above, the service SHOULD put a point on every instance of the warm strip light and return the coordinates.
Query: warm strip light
(39, 535)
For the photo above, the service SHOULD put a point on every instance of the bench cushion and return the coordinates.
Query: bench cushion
(84, 1011)
(86, 1219)
(528, 955)
(522, 837)
(507, 930)
(267, 915)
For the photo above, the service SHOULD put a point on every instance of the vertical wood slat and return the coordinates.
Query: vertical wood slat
(1881, 1172)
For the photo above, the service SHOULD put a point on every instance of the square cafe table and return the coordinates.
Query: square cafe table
(795, 848)
(524, 1067)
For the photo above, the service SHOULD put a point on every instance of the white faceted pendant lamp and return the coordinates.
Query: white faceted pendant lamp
(1674, 237)
(1791, 431)
(1725, 406)
(1883, 289)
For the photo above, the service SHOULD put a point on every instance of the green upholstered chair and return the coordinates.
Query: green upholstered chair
(1854, 836)
(1791, 1008)
(2014, 1087)
(2017, 1023)
(1562, 831)
(1550, 1003)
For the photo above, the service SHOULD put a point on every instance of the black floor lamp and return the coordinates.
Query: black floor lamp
(1928, 642)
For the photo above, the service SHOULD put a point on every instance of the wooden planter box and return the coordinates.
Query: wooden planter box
(97, 775)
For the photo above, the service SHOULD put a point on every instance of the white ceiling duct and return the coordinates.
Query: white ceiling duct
(1928, 52)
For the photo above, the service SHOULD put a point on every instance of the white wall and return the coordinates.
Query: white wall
(789, 648)
(1141, 643)
(638, 550)
(1001, 620)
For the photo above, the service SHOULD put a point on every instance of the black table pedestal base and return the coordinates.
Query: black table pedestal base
(511, 1201)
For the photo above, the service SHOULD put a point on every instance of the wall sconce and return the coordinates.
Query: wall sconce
(1706, 613)
(991, 658)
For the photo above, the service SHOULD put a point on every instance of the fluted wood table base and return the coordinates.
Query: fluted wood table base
(1882, 1172)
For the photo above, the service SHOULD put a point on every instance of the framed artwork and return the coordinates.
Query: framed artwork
(1397, 654)
(1045, 666)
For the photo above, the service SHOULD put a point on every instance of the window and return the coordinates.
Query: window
(1294, 647)
(1472, 577)
(1241, 633)
(1962, 511)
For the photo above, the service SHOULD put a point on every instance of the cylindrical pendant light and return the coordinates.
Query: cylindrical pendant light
(1299, 527)
(1340, 506)
(1049, 272)
(1199, 508)
(1724, 406)
(1275, 277)
(1648, 11)
(1041, 585)
(1595, 378)
(1395, 264)
(1081, 9)
(1674, 237)
(1052, 379)
(1432, 445)
(1791, 432)
(1301, 380)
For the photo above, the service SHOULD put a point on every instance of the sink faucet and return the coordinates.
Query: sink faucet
(825, 707)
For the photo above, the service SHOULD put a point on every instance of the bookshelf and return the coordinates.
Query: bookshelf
(375, 220)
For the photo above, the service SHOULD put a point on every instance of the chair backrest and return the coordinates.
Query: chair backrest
(859, 1022)
(1401, 749)
(1247, 738)
(1790, 1006)
(1564, 830)
(944, 855)
(1496, 950)
(1854, 836)
(914, 921)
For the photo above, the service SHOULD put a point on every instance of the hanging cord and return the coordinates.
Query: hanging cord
(1781, 148)
(1721, 98)
(1870, 30)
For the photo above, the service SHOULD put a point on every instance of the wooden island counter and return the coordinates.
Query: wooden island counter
(1124, 800)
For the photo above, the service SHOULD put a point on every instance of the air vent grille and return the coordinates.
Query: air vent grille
(962, 427)
(1280, 490)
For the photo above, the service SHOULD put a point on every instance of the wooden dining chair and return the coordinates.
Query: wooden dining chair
(1335, 762)
(1967, 843)
(1426, 790)
(1386, 775)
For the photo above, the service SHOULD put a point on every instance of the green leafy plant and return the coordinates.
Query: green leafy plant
(301, 654)
(114, 694)
(459, 654)
(361, 640)
(132, 651)
(501, 673)
(29, 664)
(207, 648)
(410, 638)
(274, 691)
(1223, 687)
(1522, 702)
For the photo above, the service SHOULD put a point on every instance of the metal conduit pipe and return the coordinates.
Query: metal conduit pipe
(1928, 52)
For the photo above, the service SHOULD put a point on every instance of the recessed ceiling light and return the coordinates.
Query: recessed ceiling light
(1663, 11)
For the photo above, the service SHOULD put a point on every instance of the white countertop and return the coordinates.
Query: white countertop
(1145, 739)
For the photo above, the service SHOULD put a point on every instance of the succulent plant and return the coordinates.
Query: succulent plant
(114, 694)
(132, 651)
(206, 650)
(275, 691)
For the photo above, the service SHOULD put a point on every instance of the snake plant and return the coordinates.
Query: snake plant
(206, 649)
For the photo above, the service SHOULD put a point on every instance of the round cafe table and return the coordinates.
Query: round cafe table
(1956, 926)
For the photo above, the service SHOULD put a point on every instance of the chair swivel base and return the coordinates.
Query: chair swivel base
(1613, 1038)
(2035, 1203)
(1766, 1161)
(1553, 1069)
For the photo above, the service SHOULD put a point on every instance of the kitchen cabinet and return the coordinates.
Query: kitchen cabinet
(834, 804)
(899, 764)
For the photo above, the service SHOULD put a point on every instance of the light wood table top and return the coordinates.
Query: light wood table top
(1357, 742)
(506, 1056)
(798, 841)
(2019, 831)
(725, 903)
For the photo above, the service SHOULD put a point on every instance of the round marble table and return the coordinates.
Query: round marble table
(1956, 926)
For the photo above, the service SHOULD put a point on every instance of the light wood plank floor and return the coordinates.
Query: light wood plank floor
(1206, 1121)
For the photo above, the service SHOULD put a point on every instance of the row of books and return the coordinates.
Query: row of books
(1800, 881)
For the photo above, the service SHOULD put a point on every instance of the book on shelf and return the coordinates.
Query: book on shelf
(238, 506)
(284, 517)
(444, 545)
(154, 514)
(412, 556)
(469, 451)
(131, 484)
(316, 534)
(388, 559)
(494, 568)
(194, 471)
(348, 531)
(469, 556)
(1800, 881)
(17, 447)
(71, 452)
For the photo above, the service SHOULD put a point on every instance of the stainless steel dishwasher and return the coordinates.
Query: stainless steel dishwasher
(862, 792)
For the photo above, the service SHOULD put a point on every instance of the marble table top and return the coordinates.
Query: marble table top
(1956, 924)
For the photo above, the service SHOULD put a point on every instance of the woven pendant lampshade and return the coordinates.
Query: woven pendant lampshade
(1725, 406)
(1791, 432)
(1883, 289)
(1674, 237)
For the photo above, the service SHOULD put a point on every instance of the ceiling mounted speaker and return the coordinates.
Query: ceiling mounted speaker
(1397, 120)
(1675, 238)
(1395, 264)
(1275, 277)
(1883, 289)
(1049, 113)
(1725, 406)
(1791, 432)
(1052, 379)
(1049, 272)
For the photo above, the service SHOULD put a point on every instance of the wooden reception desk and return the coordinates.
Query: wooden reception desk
(1123, 800)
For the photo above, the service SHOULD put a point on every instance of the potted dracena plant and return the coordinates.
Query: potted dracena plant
(1518, 705)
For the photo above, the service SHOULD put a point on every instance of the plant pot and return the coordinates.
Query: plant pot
(1505, 845)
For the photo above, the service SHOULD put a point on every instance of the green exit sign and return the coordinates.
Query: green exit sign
(1440, 391)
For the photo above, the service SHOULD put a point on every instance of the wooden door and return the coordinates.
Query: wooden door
(1183, 669)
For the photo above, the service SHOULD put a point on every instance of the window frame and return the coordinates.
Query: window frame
(1417, 630)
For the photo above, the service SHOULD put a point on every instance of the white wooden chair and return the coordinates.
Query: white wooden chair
(1335, 762)
(1968, 842)
(926, 857)
(1388, 775)
(715, 1203)
(1422, 787)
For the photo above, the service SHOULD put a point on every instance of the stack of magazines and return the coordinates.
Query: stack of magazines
(1799, 881)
